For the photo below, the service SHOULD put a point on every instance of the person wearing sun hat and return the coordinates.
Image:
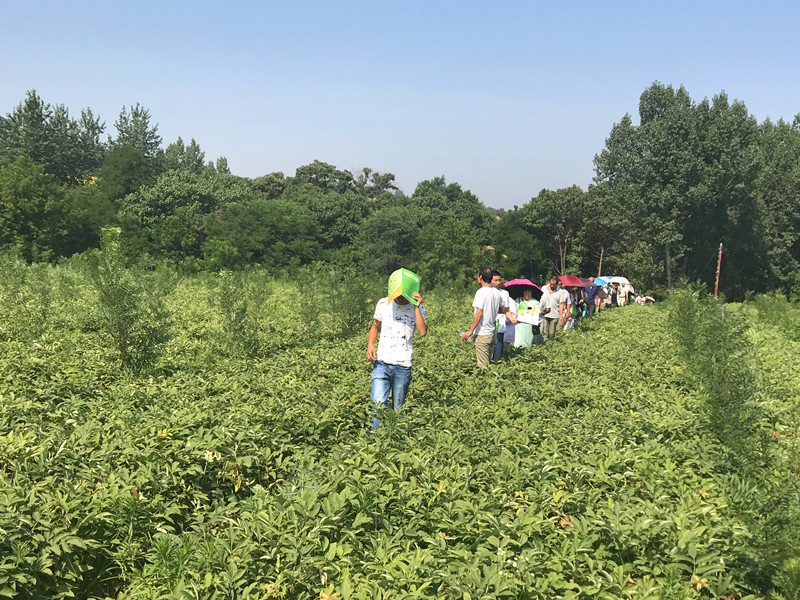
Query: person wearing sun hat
(396, 317)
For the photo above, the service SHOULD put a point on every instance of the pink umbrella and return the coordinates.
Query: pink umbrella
(516, 287)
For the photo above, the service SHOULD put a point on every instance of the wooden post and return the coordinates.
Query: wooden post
(719, 264)
(600, 267)
(670, 289)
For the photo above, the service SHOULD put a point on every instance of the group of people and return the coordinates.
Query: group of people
(499, 322)
(561, 308)
(524, 321)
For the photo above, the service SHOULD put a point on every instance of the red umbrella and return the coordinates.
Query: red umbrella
(570, 280)
(516, 287)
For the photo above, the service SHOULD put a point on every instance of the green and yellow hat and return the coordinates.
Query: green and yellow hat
(404, 283)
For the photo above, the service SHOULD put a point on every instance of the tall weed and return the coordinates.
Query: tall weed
(235, 303)
(721, 361)
(131, 314)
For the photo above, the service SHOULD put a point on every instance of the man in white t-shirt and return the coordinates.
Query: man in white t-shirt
(566, 300)
(396, 318)
(552, 307)
(487, 304)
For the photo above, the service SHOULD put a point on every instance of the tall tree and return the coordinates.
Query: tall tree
(437, 195)
(24, 131)
(724, 207)
(371, 183)
(681, 182)
(271, 185)
(520, 253)
(69, 149)
(275, 232)
(125, 170)
(134, 129)
(778, 190)
(324, 176)
(445, 252)
(339, 215)
(180, 157)
(221, 166)
(558, 218)
(168, 216)
(387, 238)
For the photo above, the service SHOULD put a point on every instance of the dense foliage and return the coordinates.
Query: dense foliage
(667, 191)
(652, 454)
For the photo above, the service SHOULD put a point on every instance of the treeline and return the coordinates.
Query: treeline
(668, 190)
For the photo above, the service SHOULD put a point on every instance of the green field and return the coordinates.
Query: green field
(652, 454)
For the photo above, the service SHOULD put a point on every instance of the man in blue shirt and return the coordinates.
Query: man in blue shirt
(589, 294)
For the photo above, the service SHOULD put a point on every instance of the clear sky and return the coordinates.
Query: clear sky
(504, 98)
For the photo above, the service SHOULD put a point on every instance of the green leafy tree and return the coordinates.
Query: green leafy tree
(221, 166)
(681, 182)
(88, 210)
(270, 185)
(388, 237)
(724, 206)
(445, 252)
(32, 210)
(558, 220)
(124, 171)
(778, 191)
(371, 183)
(24, 131)
(275, 232)
(75, 149)
(339, 215)
(519, 253)
(436, 194)
(168, 216)
(69, 149)
(650, 169)
(324, 176)
(600, 230)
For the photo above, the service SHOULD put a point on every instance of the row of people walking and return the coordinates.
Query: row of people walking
(526, 320)
(499, 322)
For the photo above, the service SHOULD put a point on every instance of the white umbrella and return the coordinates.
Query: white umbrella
(622, 280)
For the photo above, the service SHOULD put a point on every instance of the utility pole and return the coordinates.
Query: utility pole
(719, 264)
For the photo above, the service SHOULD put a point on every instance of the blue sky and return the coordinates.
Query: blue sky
(504, 98)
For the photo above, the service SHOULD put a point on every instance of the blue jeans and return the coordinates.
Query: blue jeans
(497, 354)
(386, 378)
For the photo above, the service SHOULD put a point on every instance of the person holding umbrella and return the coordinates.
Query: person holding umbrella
(526, 333)
(526, 295)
